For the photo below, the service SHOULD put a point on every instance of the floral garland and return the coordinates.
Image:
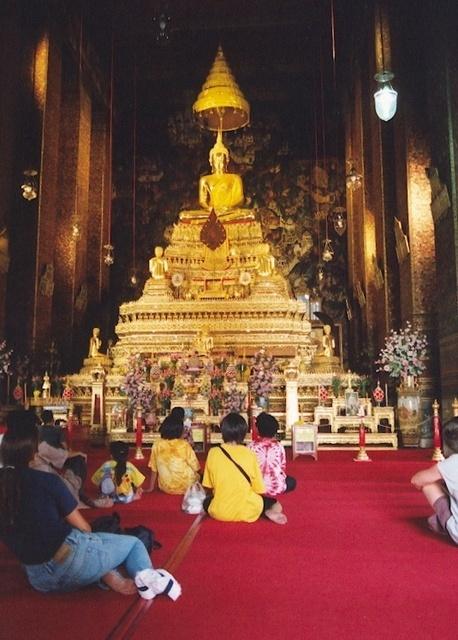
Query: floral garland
(404, 353)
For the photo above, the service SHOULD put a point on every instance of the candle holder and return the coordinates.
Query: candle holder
(362, 453)
(437, 452)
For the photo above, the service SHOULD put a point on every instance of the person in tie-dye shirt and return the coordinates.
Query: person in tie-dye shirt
(173, 461)
(271, 456)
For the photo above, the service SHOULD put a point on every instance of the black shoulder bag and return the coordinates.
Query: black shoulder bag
(241, 469)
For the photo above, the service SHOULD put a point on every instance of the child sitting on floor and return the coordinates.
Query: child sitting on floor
(232, 473)
(117, 478)
(271, 456)
(439, 484)
(173, 460)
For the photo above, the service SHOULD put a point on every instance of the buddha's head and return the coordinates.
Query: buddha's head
(158, 251)
(219, 155)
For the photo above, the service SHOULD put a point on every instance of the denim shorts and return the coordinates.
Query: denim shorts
(91, 556)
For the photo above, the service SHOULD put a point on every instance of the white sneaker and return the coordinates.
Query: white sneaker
(152, 582)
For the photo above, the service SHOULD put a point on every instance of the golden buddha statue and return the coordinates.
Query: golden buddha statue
(220, 191)
(95, 343)
(158, 264)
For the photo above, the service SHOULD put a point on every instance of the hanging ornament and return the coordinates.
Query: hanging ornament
(339, 221)
(328, 251)
(133, 278)
(353, 179)
(76, 231)
(108, 258)
(378, 394)
(29, 184)
(320, 273)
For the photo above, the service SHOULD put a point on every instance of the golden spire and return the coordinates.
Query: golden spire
(221, 105)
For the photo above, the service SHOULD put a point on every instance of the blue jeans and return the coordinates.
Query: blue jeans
(92, 555)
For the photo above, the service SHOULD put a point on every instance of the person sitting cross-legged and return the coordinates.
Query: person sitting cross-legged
(173, 461)
(271, 456)
(233, 476)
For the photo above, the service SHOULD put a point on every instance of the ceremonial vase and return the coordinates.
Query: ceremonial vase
(409, 412)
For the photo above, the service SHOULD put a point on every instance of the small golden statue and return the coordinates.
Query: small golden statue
(158, 264)
(265, 262)
(46, 388)
(203, 343)
(328, 342)
(95, 343)
(325, 358)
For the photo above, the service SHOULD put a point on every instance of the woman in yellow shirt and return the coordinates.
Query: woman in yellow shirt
(232, 472)
(173, 461)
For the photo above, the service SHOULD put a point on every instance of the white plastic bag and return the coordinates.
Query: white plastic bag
(193, 499)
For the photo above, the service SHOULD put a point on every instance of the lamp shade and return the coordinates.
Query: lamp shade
(386, 99)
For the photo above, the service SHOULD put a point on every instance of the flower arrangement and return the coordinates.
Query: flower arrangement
(404, 353)
(215, 400)
(136, 384)
(234, 400)
(178, 388)
(165, 398)
(336, 384)
(262, 374)
(217, 377)
(167, 375)
(5, 359)
(37, 382)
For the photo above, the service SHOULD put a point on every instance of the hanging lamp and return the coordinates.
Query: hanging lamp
(385, 97)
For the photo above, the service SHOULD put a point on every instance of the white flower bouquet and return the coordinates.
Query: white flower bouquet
(404, 353)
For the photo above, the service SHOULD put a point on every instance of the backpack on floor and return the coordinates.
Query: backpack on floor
(112, 524)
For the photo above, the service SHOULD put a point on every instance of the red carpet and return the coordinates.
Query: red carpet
(354, 561)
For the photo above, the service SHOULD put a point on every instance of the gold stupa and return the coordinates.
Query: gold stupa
(217, 277)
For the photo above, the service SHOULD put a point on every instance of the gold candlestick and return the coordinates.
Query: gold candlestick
(455, 407)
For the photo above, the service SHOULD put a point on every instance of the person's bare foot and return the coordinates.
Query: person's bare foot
(118, 583)
(276, 516)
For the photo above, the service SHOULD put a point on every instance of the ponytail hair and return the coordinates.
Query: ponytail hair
(17, 449)
(119, 452)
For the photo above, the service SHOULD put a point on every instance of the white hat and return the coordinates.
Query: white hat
(151, 582)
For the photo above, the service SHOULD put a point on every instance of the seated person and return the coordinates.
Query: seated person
(233, 475)
(51, 433)
(439, 484)
(271, 456)
(117, 478)
(180, 414)
(71, 467)
(173, 461)
(40, 523)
